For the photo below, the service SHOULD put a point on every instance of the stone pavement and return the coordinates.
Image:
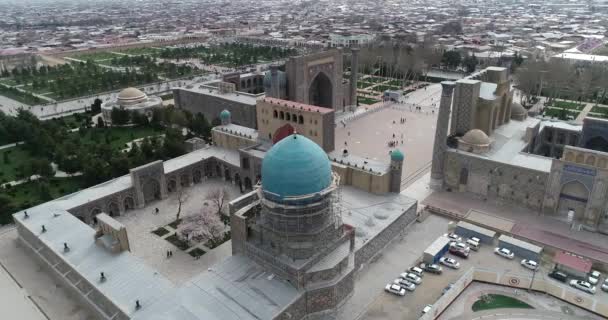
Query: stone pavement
(368, 136)
(152, 249)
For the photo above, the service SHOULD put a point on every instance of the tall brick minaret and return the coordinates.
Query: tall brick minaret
(441, 133)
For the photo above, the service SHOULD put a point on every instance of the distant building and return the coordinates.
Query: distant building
(338, 40)
(133, 100)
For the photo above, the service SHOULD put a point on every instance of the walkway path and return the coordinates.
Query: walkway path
(583, 114)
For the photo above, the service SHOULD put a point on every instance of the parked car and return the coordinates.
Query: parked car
(431, 268)
(411, 277)
(405, 284)
(427, 308)
(459, 252)
(454, 237)
(504, 252)
(449, 262)
(594, 277)
(605, 285)
(417, 271)
(395, 289)
(583, 286)
(530, 264)
(558, 275)
(475, 239)
(474, 245)
(460, 246)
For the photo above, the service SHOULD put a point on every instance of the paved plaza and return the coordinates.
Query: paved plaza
(368, 136)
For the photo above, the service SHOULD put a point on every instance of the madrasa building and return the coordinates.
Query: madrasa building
(310, 217)
(495, 152)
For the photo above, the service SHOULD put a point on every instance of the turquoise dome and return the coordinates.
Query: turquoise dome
(225, 114)
(397, 155)
(295, 166)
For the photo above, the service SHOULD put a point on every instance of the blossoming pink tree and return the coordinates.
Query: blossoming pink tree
(201, 227)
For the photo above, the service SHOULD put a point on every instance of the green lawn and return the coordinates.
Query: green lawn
(27, 195)
(9, 82)
(118, 136)
(381, 88)
(568, 105)
(16, 157)
(366, 100)
(558, 113)
(498, 301)
(19, 96)
(363, 84)
(141, 51)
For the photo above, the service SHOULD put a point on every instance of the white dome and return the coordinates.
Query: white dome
(131, 95)
(476, 137)
(517, 109)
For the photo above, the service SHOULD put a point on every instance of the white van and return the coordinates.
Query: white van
(474, 245)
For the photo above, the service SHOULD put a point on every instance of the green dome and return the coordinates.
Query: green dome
(295, 166)
(397, 155)
(224, 114)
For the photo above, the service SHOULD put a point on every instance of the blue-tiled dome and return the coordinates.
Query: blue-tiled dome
(295, 166)
(397, 155)
(225, 114)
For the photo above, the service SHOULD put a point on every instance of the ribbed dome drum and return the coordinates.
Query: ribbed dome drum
(295, 166)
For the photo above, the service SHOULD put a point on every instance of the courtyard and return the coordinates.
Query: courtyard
(368, 136)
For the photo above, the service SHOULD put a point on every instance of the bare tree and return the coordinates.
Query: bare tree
(181, 196)
(527, 77)
(218, 197)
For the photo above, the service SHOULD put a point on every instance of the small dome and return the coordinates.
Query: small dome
(517, 109)
(476, 137)
(295, 166)
(397, 155)
(131, 94)
(225, 114)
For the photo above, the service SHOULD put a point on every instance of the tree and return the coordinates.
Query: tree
(96, 106)
(181, 196)
(6, 207)
(100, 123)
(201, 227)
(452, 27)
(218, 196)
(470, 63)
(452, 58)
(120, 116)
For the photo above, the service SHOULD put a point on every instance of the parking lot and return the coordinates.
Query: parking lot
(390, 306)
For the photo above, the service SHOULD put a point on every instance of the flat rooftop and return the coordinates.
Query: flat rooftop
(241, 97)
(297, 105)
(508, 143)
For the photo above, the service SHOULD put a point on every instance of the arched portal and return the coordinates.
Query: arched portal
(113, 209)
(151, 190)
(597, 143)
(196, 176)
(464, 176)
(573, 198)
(320, 91)
(129, 203)
(184, 179)
(248, 183)
(171, 185)
(227, 174)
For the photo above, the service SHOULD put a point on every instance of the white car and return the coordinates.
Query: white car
(449, 262)
(594, 277)
(475, 239)
(417, 271)
(427, 308)
(504, 252)
(530, 264)
(395, 289)
(605, 285)
(411, 277)
(460, 246)
(583, 286)
(454, 237)
(405, 284)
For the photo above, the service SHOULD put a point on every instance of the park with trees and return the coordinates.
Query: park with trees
(86, 153)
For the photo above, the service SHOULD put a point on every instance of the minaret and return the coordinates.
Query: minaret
(274, 81)
(441, 133)
(397, 158)
(354, 70)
